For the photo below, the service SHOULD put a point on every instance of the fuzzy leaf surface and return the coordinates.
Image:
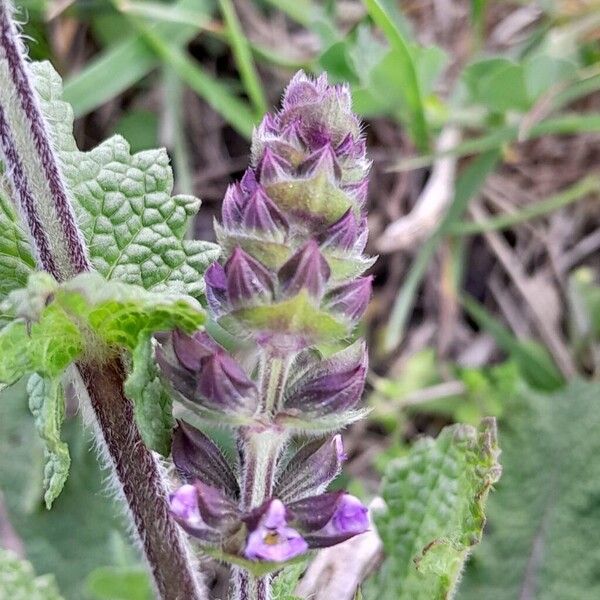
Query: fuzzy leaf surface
(544, 518)
(434, 512)
(47, 405)
(16, 262)
(134, 228)
(86, 315)
(19, 582)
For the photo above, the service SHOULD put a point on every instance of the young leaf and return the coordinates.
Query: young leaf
(286, 581)
(434, 512)
(84, 316)
(544, 517)
(119, 583)
(133, 227)
(19, 582)
(151, 400)
(47, 405)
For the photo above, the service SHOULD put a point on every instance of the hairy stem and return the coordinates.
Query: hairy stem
(32, 164)
(261, 451)
(141, 483)
(40, 192)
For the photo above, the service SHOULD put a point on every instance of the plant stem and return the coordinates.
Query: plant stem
(40, 192)
(138, 476)
(261, 451)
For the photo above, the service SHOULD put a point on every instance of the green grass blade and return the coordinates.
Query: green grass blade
(418, 123)
(534, 361)
(539, 209)
(243, 57)
(569, 124)
(122, 66)
(234, 111)
(467, 185)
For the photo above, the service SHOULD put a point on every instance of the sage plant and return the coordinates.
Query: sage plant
(289, 287)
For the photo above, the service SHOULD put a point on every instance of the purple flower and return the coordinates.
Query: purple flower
(351, 516)
(330, 518)
(272, 539)
(183, 504)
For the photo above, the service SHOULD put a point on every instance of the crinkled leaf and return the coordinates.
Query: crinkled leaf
(19, 582)
(16, 262)
(434, 512)
(544, 518)
(47, 404)
(134, 228)
(151, 400)
(86, 315)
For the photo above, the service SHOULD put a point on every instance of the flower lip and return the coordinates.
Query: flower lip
(183, 505)
(272, 539)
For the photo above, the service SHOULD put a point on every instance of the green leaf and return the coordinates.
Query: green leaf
(286, 581)
(81, 531)
(434, 513)
(544, 518)
(47, 404)
(534, 361)
(16, 262)
(119, 583)
(99, 81)
(134, 228)
(498, 83)
(406, 70)
(86, 315)
(151, 400)
(19, 582)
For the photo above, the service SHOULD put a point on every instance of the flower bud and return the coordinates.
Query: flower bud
(306, 269)
(233, 205)
(216, 289)
(344, 233)
(271, 538)
(272, 168)
(328, 386)
(311, 469)
(350, 299)
(198, 458)
(323, 161)
(204, 373)
(262, 214)
(247, 279)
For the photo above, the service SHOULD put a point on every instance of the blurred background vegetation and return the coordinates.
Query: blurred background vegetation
(483, 123)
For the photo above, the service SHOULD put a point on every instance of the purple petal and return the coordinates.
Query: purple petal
(350, 516)
(233, 205)
(273, 540)
(306, 269)
(183, 504)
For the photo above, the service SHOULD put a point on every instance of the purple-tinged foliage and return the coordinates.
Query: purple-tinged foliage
(197, 458)
(203, 373)
(329, 386)
(306, 270)
(311, 469)
(293, 232)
